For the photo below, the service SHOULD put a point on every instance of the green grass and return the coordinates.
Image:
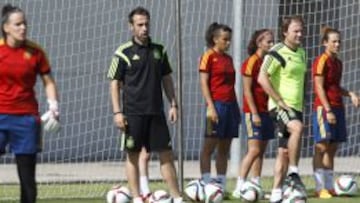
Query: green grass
(95, 192)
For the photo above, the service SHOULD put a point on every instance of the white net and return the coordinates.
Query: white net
(80, 38)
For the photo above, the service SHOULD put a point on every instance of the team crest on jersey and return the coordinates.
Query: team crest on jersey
(157, 54)
(215, 59)
(130, 142)
(27, 55)
(135, 57)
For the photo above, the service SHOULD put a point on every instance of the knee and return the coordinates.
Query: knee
(296, 129)
(133, 157)
(254, 152)
(321, 148)
(166, 157)
(223, 146)
(283, 153)
(144, 157)
(206, 151)
(223, 152)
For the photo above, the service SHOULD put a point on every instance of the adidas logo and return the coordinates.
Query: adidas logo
(136, 57)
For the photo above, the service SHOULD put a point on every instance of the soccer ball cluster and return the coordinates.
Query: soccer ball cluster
(121, 194)
(198, 191)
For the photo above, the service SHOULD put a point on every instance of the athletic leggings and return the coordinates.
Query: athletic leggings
(26, 170)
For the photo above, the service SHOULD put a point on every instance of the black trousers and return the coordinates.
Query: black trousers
(26, 165)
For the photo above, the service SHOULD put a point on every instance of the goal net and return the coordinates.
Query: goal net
(84, 159)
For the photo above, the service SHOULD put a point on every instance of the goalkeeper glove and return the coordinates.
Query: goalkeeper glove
(49, 120)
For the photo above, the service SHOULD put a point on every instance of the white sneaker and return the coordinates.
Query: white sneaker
(237, 193)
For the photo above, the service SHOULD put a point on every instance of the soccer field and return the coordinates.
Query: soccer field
(99, 192)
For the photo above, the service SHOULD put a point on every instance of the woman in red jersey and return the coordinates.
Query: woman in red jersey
(20, 62)
(257, 124)
(217, 80)
(329, 128)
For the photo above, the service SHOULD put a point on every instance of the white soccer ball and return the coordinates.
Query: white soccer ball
(195, 190)
(213, 193)
(293, 195)
(118, 194)
(251, 192)
(345, 185)
(160, 196)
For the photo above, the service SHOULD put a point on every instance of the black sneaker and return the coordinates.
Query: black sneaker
(294, 180)
(279, 201)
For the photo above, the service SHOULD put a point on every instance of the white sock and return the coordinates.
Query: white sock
(276, 195)
(319, 177)
(222, 180)
(206, 177)
(329, 179)
(239, 183)
(256, 180)
(293, 169)
(144, 185)
(178, 199)
(138, 200)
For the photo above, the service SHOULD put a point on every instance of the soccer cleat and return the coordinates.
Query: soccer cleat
(323, 194)
(279, 201)
(332, 192)
(287, 182)
(295, 181)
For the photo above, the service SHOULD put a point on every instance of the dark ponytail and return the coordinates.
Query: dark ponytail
(326, 31)
(256, 37)
(213, 30)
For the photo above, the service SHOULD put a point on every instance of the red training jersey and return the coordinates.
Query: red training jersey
(221, 72)
(331, 69)
(18, 71)
(251, 68)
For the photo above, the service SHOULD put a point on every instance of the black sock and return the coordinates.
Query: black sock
(26, 171)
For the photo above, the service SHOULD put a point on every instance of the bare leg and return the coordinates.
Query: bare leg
(295, 127)
(132, 172)
(328, 159)
(253, 159)
(205, 157)
(318, 165)
(223, 148)
(328, 162)
(281, 166)
(320, 149)
(144, 158)
(256, 167)
(168, 172)
(221, 163)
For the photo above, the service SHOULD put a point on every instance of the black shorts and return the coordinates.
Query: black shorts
(281, 118)
(149, 131)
